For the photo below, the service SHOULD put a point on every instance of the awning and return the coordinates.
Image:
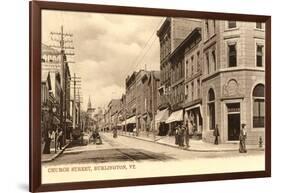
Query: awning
(162, 116)
(175, 116)
(193, 107)
(131, 120)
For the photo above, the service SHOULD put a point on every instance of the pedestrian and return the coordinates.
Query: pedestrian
(98, 137)
(186, 135)
(177, 135)
(60, 138)
(181, 136)
(114, 132)
(216, 134)
(48, 139)
(242, 139)
(94, 135)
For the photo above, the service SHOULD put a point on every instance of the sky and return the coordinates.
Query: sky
(108, 48)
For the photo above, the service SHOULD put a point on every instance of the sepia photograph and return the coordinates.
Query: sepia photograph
(136, 96)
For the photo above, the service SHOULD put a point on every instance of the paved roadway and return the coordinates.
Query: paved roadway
(130, 149)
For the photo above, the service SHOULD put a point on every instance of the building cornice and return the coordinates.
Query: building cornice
(231, 69)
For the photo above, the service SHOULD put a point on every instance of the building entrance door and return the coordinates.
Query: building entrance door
(233, 119)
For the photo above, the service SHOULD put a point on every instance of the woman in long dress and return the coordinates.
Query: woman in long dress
(242, 139)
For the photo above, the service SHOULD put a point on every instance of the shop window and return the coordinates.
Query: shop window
(258, 106)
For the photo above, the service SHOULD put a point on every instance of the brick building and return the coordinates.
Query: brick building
(114, 107)
(139, 104)
(172, 70)
(150, 81)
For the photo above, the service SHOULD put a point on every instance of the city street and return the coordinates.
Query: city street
(131, 149)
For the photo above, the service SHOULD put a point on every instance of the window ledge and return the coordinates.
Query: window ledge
(257, 129)
(259, 29)
(231, 29)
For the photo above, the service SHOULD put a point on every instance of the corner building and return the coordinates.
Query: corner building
(233, 80)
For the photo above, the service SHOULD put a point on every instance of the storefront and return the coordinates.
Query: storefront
(193, 117)
(175, 119)
(129, 124)
(160, 119)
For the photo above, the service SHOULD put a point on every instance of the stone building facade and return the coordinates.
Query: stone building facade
(233, 79)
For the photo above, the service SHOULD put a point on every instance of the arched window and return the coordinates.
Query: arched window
(211, 109)
(258, 106)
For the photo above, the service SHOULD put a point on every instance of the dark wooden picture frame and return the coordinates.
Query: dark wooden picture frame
(35, 8)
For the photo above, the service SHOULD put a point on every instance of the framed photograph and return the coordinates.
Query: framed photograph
(126, 96)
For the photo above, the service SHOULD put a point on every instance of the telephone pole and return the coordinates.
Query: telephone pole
(76, 81)
(62, 41)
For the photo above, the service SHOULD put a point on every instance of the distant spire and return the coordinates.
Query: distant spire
(89, 103)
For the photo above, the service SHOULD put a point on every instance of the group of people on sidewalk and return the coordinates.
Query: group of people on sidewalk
(182, 135)
(55, 136)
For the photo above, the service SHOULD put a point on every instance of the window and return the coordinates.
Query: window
(186, 92)
(231, 24)
(232, 55)
(182, 69)
(192, 91)
(207, 28)
(186, 66)
(258, 106)
(214, 59)
(211, 109)
(207, 63)
(198, 88)
(198, 61)
(258, 25)
(259, 56)
(192, 64)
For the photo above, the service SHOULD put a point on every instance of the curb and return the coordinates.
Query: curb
(56, 155)
(191, 149)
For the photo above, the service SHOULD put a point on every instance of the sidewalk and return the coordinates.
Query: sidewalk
(50, 157)
(195, 145)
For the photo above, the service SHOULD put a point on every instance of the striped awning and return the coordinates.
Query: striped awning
(162, 116)
(131, 120)
(175, 116)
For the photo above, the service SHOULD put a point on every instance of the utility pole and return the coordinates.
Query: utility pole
(79, 101)
(76, 81)
(152, 101)
(63, 39)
